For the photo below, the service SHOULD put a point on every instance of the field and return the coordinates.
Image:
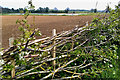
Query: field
(44, 23)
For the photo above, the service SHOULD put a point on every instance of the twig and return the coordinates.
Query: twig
(59, 69)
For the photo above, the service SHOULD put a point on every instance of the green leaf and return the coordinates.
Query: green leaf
(103, 37)
(24, 20)
(18, 21)
(15, 42)
(21, 28)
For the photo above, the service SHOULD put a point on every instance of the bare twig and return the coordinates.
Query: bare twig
(59, 69)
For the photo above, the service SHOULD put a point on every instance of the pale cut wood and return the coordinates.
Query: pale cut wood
(54, 48)
(11, 40)
(13, 69)
(0, 31)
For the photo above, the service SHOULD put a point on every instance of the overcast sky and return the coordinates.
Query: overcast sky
(60, 4)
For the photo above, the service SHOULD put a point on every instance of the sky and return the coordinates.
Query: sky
(60, 4)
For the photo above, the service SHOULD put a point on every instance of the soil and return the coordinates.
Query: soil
(44, 23)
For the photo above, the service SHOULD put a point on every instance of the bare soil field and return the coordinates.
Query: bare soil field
(44, 23)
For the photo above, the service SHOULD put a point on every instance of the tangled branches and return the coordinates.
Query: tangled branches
(80, 53)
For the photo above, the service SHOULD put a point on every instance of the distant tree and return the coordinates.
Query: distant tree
(12, 9)
(40, 9)
(46, 9)
(17, 10)
(37, 11)
(0, 9)
(55, 10)
(21, 10)
(67, 9)
(92, 10)
(95, 10)
(6, 10)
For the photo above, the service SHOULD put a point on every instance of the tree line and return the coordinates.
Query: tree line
(47, 10)
(39, 10)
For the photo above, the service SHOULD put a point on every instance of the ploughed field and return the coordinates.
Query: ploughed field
(44, 23)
